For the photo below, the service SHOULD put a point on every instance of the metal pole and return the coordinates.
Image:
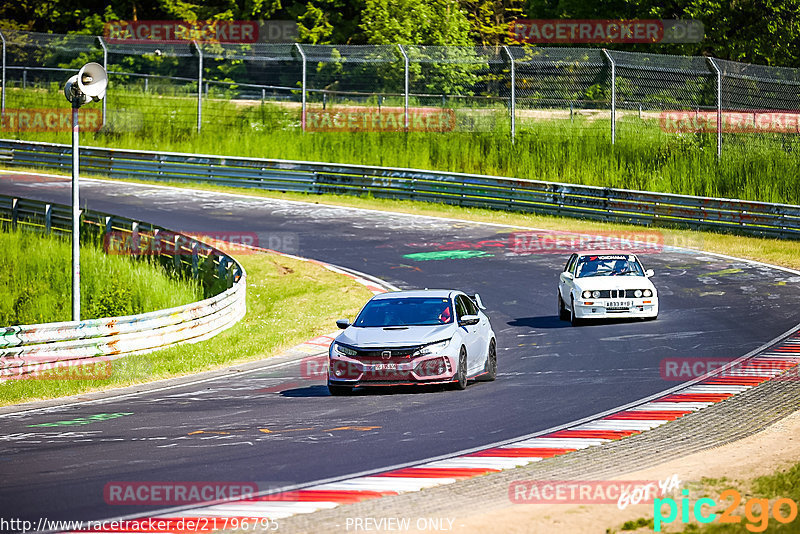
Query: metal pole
(76, 214)
(513, 96)
(303, 105)
(405, 85)
(199, 87)
(718, 72)
(3, 97)
(613, 96)
(105, 66)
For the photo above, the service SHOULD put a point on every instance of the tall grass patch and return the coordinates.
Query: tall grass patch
(36, 281)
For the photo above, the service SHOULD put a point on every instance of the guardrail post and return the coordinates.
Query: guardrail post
(199, 86)
(613, 96)
(3, 87)
(176, 257)
(303, 97)
(48, 217)
(105, 66)
(718, 72)
(134, 238)
(405, 85)
(222, 268)
(195, 259)
(513, 96)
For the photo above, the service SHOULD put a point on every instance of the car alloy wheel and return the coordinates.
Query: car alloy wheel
(461, 372)
(490, 369)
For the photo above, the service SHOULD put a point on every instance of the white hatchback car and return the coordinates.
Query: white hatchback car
(414, 337)
(604, 284)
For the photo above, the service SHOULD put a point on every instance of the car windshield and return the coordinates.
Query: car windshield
(608, 265)
(411, 311)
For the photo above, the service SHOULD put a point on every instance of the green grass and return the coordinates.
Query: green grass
(757, 167)
(36, 278)
(288, 302)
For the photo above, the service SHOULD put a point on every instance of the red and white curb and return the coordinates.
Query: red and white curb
(779, 359)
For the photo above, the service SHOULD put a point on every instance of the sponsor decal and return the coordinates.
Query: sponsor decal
(380, 120)
(606, 31)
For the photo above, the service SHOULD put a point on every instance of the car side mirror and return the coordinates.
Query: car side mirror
(478, 302)
(568, 275)
(343, 323)
(649, 272)
(467, 320)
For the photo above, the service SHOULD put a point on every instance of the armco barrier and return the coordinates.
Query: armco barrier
(606, 204)
(27, 350)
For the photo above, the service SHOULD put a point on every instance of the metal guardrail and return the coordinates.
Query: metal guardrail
(29, 350)
(605, 204)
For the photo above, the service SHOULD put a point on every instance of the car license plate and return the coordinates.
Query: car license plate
(620, 304)
(384, 367)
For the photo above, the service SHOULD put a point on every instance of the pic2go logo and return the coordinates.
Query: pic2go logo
(756, 511)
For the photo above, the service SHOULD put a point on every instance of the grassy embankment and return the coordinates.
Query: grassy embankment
(279, 296)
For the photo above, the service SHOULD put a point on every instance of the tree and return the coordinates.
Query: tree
(423, 22)
(490, 20)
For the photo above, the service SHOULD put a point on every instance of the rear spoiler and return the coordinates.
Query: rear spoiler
(478, 302)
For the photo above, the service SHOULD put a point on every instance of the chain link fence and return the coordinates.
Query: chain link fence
(509, 89)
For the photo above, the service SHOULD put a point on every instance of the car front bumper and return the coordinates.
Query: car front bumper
(432, 369)
(614, 308)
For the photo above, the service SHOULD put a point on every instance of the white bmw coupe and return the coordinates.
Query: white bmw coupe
(605, 284)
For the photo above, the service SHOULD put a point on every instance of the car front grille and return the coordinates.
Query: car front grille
(618, 293)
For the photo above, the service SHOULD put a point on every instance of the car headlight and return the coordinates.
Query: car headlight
(345, 351)
(648, 293)
(596, 294)
(586, 294)
(432, 348)
(637, 293)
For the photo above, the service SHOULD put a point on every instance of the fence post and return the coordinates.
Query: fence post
(513, 96)
(199, 86)
(718, 72)
(105, 66)
(3, 88)
(405, 85)
(303, 98)
(613, 96)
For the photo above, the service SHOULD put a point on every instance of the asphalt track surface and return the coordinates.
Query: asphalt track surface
(549, 372)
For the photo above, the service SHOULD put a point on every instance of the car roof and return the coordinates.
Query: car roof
(437, 293)
(604, 252)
